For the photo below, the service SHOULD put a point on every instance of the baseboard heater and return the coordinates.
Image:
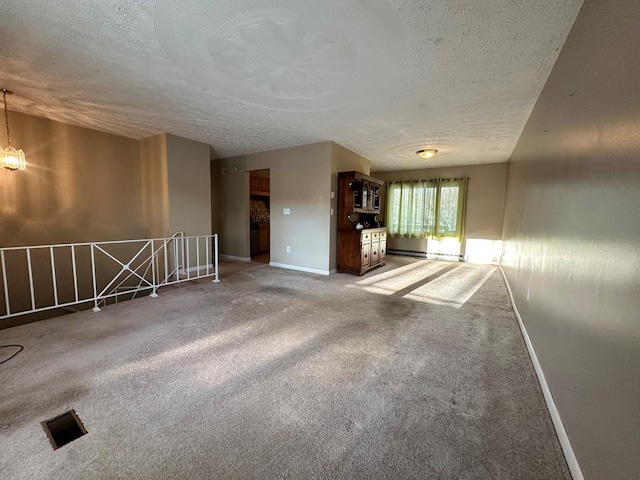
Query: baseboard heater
(421, 254)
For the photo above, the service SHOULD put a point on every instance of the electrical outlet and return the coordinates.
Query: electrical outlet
(332, 211)
(288, 249)
(286, 211)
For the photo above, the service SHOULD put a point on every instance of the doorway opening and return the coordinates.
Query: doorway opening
(260, 215)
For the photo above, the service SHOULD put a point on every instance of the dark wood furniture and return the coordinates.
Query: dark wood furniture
(362, 239)
(259, 189)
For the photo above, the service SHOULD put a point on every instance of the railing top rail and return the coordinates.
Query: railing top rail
(200, 236)
(86, 244)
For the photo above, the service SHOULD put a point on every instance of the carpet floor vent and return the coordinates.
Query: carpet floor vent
(63, 429)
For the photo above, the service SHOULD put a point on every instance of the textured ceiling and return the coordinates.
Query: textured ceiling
(382, 78)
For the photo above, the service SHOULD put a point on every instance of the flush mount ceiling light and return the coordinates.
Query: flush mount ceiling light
(427, 152)
(11, 158)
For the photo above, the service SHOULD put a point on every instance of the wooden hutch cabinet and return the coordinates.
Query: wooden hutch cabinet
(362, 239)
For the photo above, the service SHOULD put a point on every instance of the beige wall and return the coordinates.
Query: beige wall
(189, 186)
(342, 160)
(301, 181)
(83, 185)
(485, 200)
(571, 234)
(80, 185)
(230, 206)
(155, 185)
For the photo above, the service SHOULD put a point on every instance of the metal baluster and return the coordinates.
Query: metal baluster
(182, 243)
(33, 298)
(188, 261)
(166, 262)
(206, 243)
(75, 273)
(198, 257)
(53, 276)
(215, 253)
(175, 258)
(96, 308)
(153, 293)
(4, 283)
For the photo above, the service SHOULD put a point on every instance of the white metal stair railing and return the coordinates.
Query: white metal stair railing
(135, 289)
(110, 291)
(45, 277)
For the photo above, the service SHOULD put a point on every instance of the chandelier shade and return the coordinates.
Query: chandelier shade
(11, 158)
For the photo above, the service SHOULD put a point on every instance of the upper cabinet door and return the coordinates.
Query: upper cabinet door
(356, 189)
(376, 198)
(366, 195)
(259, 186)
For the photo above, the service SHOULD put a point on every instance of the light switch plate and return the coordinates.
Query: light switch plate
(286, 211)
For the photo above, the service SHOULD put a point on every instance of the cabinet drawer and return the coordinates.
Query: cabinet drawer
(366, 237)
(383, 234)
(375, 235)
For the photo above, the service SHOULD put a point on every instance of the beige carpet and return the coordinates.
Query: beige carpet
(416, 370)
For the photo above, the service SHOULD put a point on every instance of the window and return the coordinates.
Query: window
(426, 208)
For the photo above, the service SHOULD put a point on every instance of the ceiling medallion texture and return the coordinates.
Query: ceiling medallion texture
(281, 55)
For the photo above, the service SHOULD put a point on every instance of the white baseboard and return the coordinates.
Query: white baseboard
(567, 449)
(300, 269)
(234, 258)
(427, 255)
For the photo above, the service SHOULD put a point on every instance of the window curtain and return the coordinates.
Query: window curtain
(406, 209)
(431, 208)
(452, 197)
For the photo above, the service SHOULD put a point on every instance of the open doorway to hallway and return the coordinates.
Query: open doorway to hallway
(259, 215)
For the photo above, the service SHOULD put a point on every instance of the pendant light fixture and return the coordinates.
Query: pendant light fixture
(11, 158)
